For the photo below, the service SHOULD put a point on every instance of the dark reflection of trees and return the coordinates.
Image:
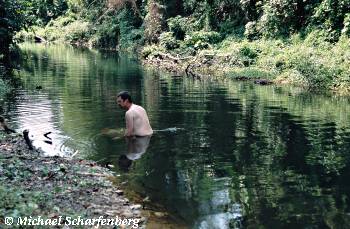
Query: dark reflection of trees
(221, 125)
(293, 135)
(289, 195)
(253, 143)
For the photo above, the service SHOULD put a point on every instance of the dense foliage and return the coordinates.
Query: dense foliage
(10, 22)
(20, 14)
(110, 23)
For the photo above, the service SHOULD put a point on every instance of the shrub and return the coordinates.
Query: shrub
(179, 26)
(248, 55)
(251, 30)
(151, 50)
(319, 37)
(168, 41)
(77, 31)
(346, 29)
(62, 21)
(202, 37)
(310, 66)
(248, 52)
(24, 36)
(105, 35)
(230, 28)
(51, 33)
(131, 40)
(66, 28)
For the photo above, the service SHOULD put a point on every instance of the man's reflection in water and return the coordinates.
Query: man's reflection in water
(136, 147)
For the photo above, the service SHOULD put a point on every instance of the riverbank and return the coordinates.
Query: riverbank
(310, 63)
(62, 191)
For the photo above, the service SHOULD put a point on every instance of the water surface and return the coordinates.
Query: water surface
(237, 155)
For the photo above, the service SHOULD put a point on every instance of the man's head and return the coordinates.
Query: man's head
(124, 100)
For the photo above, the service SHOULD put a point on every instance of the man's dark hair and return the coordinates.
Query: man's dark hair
(125, 95)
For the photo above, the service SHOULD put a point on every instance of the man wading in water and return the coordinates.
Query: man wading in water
(138, 130)
(137, 123)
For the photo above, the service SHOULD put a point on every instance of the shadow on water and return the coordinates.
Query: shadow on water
(242, 156)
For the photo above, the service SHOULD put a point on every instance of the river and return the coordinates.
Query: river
(225, 154)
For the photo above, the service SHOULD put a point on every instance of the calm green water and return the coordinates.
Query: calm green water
(241, 156)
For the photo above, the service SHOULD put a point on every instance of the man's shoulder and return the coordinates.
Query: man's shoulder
(137, 107)
(132, 109)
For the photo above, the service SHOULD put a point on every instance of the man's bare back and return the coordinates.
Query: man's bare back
(137, 122)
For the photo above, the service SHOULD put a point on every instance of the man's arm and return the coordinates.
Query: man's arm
(129, 124)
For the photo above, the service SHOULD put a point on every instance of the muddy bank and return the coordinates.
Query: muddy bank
(60, 190)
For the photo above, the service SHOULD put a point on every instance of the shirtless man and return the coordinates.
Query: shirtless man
(137, 123)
